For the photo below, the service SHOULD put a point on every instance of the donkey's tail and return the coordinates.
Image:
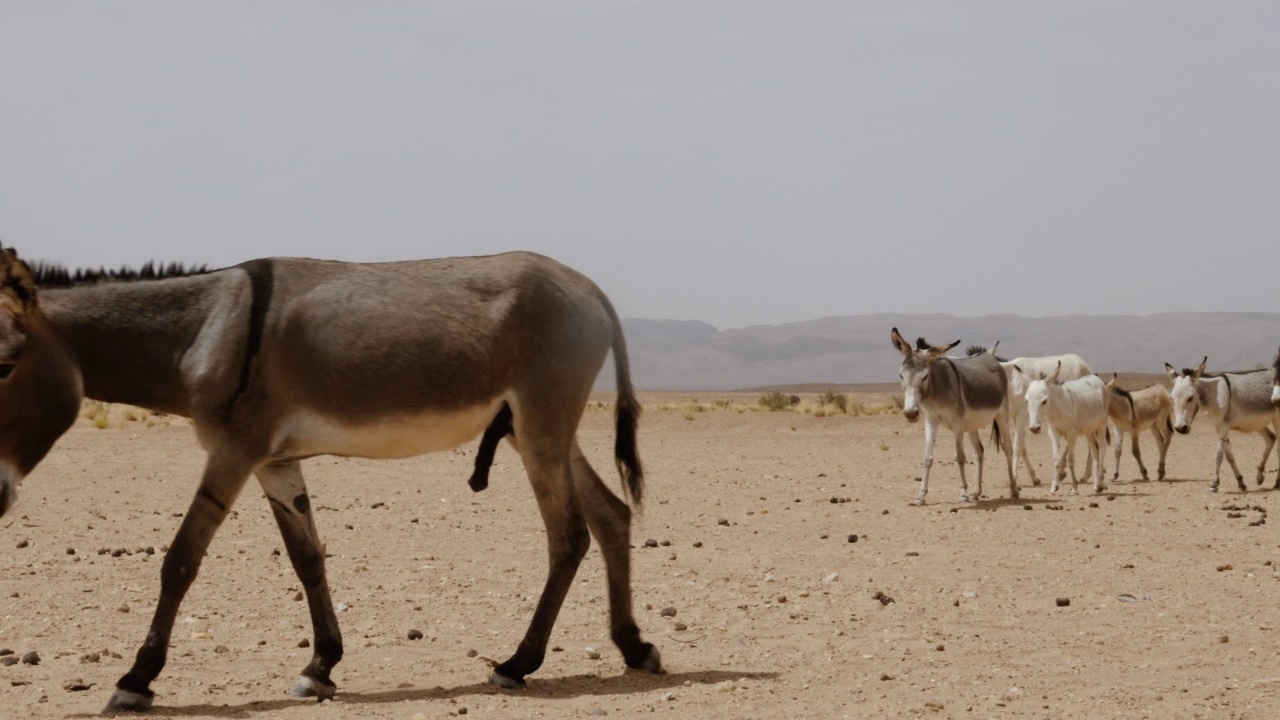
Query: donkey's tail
(625, 451)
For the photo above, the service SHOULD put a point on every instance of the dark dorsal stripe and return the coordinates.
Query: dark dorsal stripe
(262, 283)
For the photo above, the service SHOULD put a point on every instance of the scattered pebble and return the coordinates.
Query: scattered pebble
(596, 712)
(415, 634)
(913, 553)
(665, 543)
(303, 643)
(831, 578)
(721, 521)
(31, 658)
(5, 651)
(1063, 602)
(71, 551)
(472, 652)
(1027, 507)
(668, 612)
(222, 649)
(22, 544)
(853, 538)
(8, 660)
(668, 697)
(76, 685)
(681, 627)
(592, 653)
(651, 543)
(1224, 639)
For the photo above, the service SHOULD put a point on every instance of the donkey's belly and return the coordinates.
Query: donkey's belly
(304, 433)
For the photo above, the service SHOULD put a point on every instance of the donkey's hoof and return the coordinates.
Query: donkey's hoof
(128, 701)
(920, 500)
(1213, 489)
(310, 687)
(499, 680)
(963, 498)
(652, 662)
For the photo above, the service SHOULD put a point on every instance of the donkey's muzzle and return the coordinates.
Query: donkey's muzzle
(1183, 429)
(1034, 430)
(911, 414)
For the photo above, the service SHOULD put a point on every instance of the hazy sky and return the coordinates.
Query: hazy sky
(730, 161)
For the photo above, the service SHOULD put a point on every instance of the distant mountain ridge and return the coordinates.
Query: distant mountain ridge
(692, 355)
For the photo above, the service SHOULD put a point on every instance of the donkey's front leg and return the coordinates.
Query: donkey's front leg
(287, 493)
(960, 462)
(1001, 428)
(223, 479)
(1020, 452)
(977, 450)
(1163, 440)
(1224, 448)
(1269, 441)
(930, 434)
(1059, 461)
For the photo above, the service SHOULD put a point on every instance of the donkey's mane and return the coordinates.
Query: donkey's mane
(922, 344)
(53, 275)
(978, 350)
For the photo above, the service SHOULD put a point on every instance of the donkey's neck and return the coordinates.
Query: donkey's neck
(130, 340)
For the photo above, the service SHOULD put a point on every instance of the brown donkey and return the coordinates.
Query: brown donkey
(278, 360)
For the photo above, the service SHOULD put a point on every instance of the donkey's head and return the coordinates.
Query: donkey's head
(1275, 381)
(915, 371)
(39, 383)
(1186, 395)
(1037, 393)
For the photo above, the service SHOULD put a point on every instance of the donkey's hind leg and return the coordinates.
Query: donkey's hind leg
(1137, 453)
(1119, 450)
(287, 493)
(224, 477)
(567, 543)
(609, 520)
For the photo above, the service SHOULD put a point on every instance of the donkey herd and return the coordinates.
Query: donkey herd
(1060, 392)
(282, 359)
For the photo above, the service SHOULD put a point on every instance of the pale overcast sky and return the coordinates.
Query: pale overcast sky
(731, 161)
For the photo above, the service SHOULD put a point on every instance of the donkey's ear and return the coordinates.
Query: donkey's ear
(1019, 370)
(1195, 376)
(1173, 372)
(994, 348)
(17, 283)
(1053, 377)
(942, 349)
(900, 343)
(1111, 384)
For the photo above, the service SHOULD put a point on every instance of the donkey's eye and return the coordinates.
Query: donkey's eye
(5, 369)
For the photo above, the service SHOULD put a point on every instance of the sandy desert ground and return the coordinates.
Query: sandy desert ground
(1173, 594)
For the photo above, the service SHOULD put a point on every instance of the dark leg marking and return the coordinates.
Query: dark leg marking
(209, 498)
(498, 429)
(302, 504)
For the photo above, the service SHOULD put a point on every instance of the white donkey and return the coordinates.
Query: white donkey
(1070, 409)
(1133, 411)
(1239, 401)
(964, 395)
(1072, 366)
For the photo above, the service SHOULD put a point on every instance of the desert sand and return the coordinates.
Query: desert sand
(1172, 592)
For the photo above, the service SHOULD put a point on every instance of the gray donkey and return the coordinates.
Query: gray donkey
(279, 360)
(963, 395)
(1239, 401)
